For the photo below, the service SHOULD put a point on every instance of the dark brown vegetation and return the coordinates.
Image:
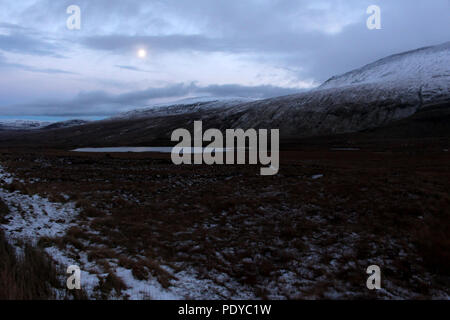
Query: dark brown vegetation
(31, 274)
(386, 204)
(28, 277)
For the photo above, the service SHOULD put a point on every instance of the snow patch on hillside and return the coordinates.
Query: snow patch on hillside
(425, 70)
(182, 107)
(66, 124)
(32, 217)
(23, 124)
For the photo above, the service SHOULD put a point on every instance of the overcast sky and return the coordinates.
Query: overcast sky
(251, 48)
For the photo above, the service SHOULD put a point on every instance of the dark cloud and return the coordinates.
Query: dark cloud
(120, 43)
(102, 103)
(4, 64)
(267, 32)
(11, 26)
(234, 90)
(18, 42)
(131, 68)
(277, 43)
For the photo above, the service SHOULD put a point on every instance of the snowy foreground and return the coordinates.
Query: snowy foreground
(33, 217)
(279, 230)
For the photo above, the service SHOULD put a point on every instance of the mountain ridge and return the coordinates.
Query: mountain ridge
(334, 108)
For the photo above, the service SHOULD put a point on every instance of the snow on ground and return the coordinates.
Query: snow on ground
(32, 217)
(197, 288)
(312, 274)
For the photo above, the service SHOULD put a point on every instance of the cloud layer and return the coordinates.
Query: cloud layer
(101, 103)
(254, 48)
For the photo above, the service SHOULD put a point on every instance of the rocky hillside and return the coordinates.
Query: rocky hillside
(375, 95)
(412, 86)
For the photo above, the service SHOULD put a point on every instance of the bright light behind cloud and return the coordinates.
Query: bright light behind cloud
(142, 53)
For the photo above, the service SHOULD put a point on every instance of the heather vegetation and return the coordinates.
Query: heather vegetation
(309, 232)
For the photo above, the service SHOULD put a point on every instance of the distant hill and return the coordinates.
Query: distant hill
(66, 124)
(184, 106)
(22, 124)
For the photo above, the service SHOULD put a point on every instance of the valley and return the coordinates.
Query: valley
(147, 229)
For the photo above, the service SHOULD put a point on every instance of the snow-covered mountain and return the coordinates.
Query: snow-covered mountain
(36, 124)
(22, 124)
(375, 95)
(66, 124)
(390, 89)
(426, 70)
(410, 86)
(184, 106)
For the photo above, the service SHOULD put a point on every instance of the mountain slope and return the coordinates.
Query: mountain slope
(426, 69)
(22, 124)
(185, 106)
(377, 95)
(390, 89)
(66, 124)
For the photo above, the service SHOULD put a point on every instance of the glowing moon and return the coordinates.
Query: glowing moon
(142, 53)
